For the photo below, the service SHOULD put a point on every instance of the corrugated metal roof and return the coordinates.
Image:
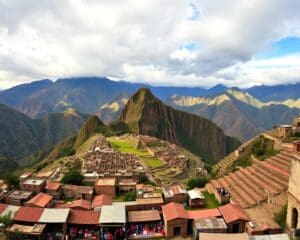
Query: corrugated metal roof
(113, 214)
(10, 208)
(282, 236)
(51, 215)
(195, 194)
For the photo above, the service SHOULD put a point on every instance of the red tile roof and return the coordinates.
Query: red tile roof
(40, 200)
(82, 217)
(2, 207)
(173, 211)
(207, 213)
(232, 213)
(53, 186)
(101, 200)
(81, 203)
(28, 214)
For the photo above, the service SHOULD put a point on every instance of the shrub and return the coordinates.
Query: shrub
(11, 180)
(130, 196)
(280, 217)
(196, 182)
(73, 177)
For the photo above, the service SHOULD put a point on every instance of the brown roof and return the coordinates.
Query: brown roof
(44, 174)
(232, 213)
(28, 214)
(144, 216)
(145, 188)
(81, 203)
(173, 211)
(40, 200)
(206, 213)
(106, 182)
(82, 217)
(101, 200)
(223, 236)
(2, 207)
(150, 201)
(53, 186)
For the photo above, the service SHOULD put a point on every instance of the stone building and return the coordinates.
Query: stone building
(293, 217)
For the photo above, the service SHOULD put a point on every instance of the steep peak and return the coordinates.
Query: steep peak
(70, 112)
(143, 94)
(92, 125)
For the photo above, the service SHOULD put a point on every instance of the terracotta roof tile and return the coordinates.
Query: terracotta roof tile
(81, 203)
(206, 213)
(232, 213)
(2, 207)
(83, 217)
(101, 200)
(28, 214)
(53, 186)
(173, 211)
(40, 200)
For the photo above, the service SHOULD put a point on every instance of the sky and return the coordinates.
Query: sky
(160, 42)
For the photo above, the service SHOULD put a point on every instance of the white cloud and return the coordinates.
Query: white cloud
(142, 40)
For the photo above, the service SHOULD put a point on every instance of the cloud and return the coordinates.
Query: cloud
(144, 41)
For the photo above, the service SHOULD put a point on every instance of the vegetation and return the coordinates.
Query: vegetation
(6, 219)
(66, 151)
(73, 177)
(11, 180)
(280, 217)
(130, 196)
(123, 146)
(196, 182)
(263, 148)
(244, 162)
(210, 200)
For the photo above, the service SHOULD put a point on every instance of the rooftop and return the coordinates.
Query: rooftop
(173, 190)
(36, 229)
(29, 214)
(81, 203)
(18, 194)
(223, 236)
(195, 194)
(173, 211)
(210, 223)
(101, 200)
(113, 214)
(144, 216)
(44, 174)
(34, 181)
(232, 213)
(51, 215)
(40, 200)
(206, 213)
(106, 182)
(82, 217)
(53, 186)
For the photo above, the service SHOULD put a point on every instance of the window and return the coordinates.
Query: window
(294, 218)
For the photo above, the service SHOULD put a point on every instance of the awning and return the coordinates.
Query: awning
(36, 229)
(52, 215)
(143, 216)
(115, 214)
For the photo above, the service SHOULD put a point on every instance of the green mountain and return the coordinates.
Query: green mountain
(238, 113)
(145, 114)
(21, 135)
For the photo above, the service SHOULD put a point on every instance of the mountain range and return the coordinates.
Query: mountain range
(242, 113)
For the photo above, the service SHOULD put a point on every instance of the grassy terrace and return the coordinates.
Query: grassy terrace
(124, 146)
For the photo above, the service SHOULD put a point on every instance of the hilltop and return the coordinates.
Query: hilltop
(145, 114)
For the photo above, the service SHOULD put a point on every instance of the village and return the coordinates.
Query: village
(229, 207)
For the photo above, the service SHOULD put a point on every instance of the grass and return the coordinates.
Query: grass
(211, 201)
(120, 198)
(123, 146)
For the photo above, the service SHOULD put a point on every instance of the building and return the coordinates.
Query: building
(81, 204)
(33, 184)
(284, 131)
(293, 216)
(234, 217)
(142, 189)
(196, 198)
(78, 192)
(175, 219)
(24, 176)
(44, 174)
(18, 197)
(127, 185)
(106, 186)
(41, 200)
(296, 146)
(101, 200)
(209, 225)
(54, 189)
(175, 193)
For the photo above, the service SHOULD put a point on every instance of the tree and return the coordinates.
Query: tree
(73, 177)
(6, 219)
(11, 180)
(130, 196)
(196, 182)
